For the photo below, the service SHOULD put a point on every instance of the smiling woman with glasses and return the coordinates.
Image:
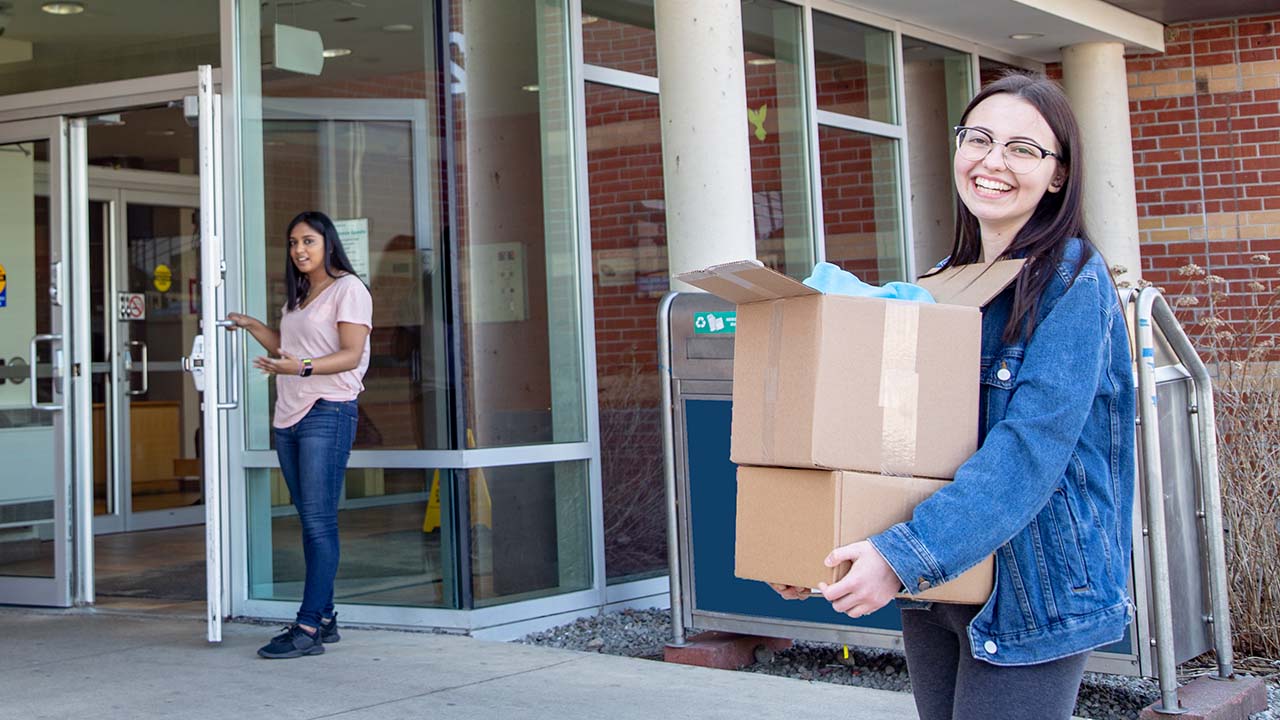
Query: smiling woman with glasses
(1020, 156)
(1050, 490)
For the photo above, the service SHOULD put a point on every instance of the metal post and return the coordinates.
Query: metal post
(1153, 487)
(1210, 486)
(669, 470)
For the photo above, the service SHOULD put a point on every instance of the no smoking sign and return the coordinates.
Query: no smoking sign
(131, 306)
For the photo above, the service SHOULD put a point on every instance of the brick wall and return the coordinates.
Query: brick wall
(1206, 149)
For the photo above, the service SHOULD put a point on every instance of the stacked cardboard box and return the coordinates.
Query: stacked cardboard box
(847, 413)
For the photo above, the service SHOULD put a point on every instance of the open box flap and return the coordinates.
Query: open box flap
(746, 281)
(972, 285)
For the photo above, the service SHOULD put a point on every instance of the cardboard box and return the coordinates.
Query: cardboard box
(855, 383)
(789, 520)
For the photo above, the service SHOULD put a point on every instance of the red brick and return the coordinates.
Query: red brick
(725, 651)
(1210, 699)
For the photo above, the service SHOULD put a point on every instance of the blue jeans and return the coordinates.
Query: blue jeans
(313, 458)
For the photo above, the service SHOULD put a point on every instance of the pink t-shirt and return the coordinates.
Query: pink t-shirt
(312, 331)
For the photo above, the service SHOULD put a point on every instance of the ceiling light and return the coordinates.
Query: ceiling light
(397, 27)
(1026, 36)
(63, 8)
(762, 61)
(336, 52)
(161, 133)
(529, 88)
(588, 19)
(915, 48)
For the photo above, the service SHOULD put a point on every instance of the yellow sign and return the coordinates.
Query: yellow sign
(3, 297)
(2, 282)
(163, 278)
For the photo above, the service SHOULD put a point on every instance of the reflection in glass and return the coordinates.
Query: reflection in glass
(619, 34)
(116, 40)
(530, 531)
(936, 88)
(778, 138)
(860, 207)
(854, 66)
(392, 547)
(629, 252)
(363, 173)
(27, 439)
(515, 228)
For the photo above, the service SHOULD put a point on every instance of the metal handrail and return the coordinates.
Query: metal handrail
(669, 470)
(1159, 311)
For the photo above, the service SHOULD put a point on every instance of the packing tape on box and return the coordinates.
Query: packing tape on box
(899, 388)
(771, 377)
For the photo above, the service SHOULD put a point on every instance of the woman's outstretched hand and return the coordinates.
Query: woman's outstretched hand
(241, 321)
(286, 364)
(868, 586)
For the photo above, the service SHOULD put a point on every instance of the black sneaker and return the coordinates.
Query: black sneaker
(293, 642)
(329, 630)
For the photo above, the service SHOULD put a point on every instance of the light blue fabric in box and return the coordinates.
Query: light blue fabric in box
(832, 280)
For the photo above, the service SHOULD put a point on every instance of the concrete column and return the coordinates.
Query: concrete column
(706, 165)
(1095, 79)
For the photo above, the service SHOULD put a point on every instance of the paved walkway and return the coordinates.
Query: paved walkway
(99, 666)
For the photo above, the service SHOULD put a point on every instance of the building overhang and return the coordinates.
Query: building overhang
(1005, 24)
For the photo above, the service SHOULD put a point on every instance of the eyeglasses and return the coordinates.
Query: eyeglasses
(1020, 156)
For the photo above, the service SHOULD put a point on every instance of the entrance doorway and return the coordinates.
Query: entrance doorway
(110, 398)
(144, 248)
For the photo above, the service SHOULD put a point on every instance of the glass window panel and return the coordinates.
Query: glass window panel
(936, 87)
(116, 40)
(363, 172)
(362, 141)
(619, 34)
(27, 436)
(515, 228)
(394, 526)
(861, 210)
(854, 66)
(778, 126)
(530, 531)
(629, 252)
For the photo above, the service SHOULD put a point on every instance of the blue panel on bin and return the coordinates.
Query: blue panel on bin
(713, 500)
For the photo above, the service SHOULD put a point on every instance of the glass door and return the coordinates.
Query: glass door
(149, 428)
(35, 388)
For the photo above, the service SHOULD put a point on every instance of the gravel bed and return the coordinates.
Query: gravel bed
(642, 634)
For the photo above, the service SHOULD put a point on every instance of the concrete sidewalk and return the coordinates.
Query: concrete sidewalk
(94, 665)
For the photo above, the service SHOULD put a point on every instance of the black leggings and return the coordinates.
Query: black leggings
(949, 684)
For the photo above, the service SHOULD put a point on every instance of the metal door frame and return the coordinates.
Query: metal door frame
(68, 396)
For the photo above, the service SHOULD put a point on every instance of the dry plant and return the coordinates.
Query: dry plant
(1241, 353)
(635, 512)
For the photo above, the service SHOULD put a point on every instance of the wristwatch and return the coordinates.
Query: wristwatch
(305, 370)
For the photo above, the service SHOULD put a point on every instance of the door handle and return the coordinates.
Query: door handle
(146, 373)
(49, 338)
(233, 366)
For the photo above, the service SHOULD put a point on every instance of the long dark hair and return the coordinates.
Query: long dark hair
(298, 284)
(1058, 218)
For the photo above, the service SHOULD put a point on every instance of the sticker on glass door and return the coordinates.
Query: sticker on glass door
(131, 306)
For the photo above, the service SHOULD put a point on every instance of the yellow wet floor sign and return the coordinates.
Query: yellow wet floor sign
(481, 503)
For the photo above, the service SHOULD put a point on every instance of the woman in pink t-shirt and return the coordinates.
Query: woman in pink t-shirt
(319, 357)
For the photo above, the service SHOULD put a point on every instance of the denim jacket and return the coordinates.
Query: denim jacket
(1050, 489)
